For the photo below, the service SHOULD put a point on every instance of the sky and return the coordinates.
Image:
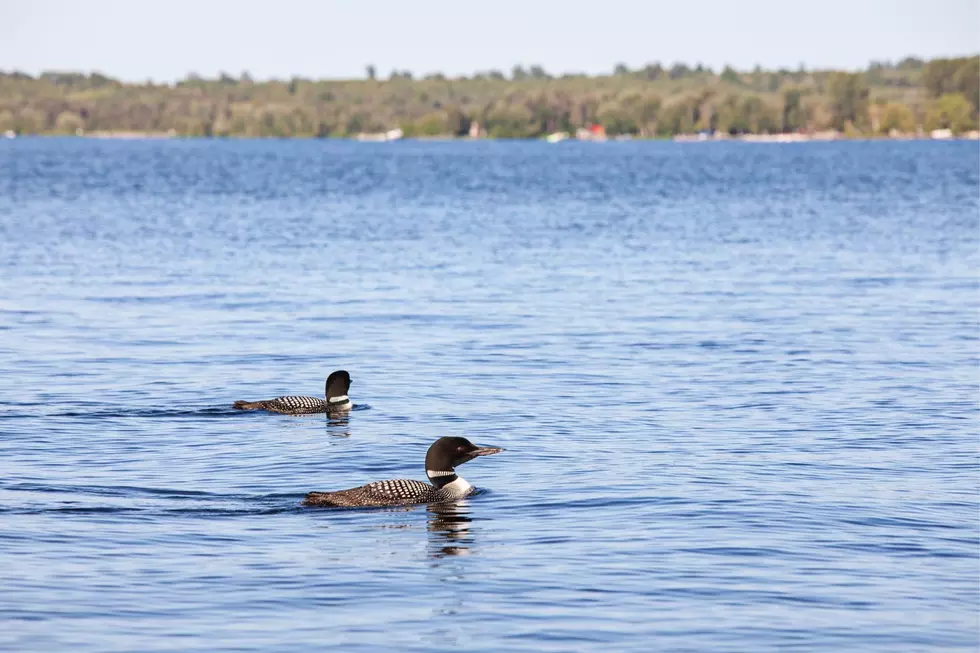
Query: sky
(164, 41)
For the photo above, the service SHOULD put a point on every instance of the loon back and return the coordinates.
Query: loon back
(440, 463)
(291, 405)
(396, 492)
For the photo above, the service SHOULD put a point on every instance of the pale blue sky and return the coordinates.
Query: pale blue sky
(164, 41)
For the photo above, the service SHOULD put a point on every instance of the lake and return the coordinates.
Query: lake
(737, 385)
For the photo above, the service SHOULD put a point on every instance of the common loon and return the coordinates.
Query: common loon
(335, 402)
(440, 466)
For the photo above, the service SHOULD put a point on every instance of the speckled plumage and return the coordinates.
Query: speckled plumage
(292, 405)
(396, 492)
(334, 401)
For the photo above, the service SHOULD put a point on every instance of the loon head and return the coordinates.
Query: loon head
(446, 453)
(338, 384)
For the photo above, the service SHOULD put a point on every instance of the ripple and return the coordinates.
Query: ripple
(736, 383)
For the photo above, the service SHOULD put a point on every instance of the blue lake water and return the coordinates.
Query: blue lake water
(737, 385)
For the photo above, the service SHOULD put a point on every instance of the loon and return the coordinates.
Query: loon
(440, 466)
(336, 401)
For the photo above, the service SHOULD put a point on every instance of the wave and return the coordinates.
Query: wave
(123, 412)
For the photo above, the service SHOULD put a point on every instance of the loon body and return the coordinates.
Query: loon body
(334, 402)
(440, 466)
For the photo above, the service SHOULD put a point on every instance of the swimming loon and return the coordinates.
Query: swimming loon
(336, 401)
(440, 463)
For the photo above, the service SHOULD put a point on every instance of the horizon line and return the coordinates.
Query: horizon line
(610, 72)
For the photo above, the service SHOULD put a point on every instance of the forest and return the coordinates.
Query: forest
(655, 101)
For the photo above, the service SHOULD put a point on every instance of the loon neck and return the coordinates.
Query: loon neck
(449, 482)
(441, 478)
(342, 400)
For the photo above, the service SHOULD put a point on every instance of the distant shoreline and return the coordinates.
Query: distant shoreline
(907, 99)
(680, 138)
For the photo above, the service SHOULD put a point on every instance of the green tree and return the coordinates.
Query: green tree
(68, 122)
(898, 117)
(537, 72)
(678, 117)
(962, 75)
(355, 124)
(457, 123)
(938, 76)
(729, 75)
(849, 99)
(793, 118)
(966, 80)
(7, 120)
(30, 121)
(679, 70)
(653, 71)
(648, 114)
(951, 111)
(617, 119)
(433, 124)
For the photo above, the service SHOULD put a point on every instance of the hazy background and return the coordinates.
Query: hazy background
(163, 42)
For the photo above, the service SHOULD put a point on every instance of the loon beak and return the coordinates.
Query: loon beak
(485, 451)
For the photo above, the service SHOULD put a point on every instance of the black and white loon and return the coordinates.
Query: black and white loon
(440, 466)
(335, 401)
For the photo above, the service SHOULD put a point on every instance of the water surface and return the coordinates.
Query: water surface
(737, 384)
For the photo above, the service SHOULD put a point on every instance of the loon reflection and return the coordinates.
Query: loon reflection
(449, 526)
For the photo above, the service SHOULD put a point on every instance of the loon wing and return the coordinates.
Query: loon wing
(395, 492)
(288, 404)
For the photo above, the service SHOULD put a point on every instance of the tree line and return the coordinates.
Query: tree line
(649, 102)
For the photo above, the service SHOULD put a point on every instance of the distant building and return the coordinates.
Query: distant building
(381, 137)
(591, 133)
